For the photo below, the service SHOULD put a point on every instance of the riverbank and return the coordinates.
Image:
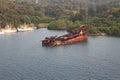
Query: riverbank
(97, 34)
(9, 28)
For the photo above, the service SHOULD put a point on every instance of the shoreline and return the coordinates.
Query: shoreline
(98, 34)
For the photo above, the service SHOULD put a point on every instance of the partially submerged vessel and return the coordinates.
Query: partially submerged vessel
(74, 36)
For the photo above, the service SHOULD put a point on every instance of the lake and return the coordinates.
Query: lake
(22, 57)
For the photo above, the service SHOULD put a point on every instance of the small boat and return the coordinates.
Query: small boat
(9, 30)
(1, 32)
(24, 29)
(74, 36)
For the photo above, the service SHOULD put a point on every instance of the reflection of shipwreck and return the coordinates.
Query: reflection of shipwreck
(75, 35)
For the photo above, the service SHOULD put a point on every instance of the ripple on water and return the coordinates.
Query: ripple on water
(23, 58)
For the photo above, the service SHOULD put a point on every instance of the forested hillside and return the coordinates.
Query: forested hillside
(101, 15)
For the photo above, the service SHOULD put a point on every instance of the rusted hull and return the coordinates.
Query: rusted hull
(70, 41)
(77, 39)
(76, 35)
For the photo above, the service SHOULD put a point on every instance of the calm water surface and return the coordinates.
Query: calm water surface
(23, 58)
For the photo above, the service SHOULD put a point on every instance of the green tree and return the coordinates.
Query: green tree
(74, 25)
(59, 24)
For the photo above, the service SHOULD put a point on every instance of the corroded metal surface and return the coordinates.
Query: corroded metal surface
(75, 35)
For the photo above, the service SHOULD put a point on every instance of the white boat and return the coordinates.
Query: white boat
(9, 30)
(1, 32)
(24, 29)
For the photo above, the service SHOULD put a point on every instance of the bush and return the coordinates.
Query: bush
(94, 30)
(59, 24)
(73, 26)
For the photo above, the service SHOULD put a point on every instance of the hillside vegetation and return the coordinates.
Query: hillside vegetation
(101, 15)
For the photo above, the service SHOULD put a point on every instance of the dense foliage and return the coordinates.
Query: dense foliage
(16, 13)
(60, 24)
(101, 15)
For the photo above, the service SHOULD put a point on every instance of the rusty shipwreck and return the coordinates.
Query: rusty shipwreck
(74, 36)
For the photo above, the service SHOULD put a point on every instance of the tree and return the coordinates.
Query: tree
(25, 19)
(74, 25)
(54, 11)
(59, 24)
